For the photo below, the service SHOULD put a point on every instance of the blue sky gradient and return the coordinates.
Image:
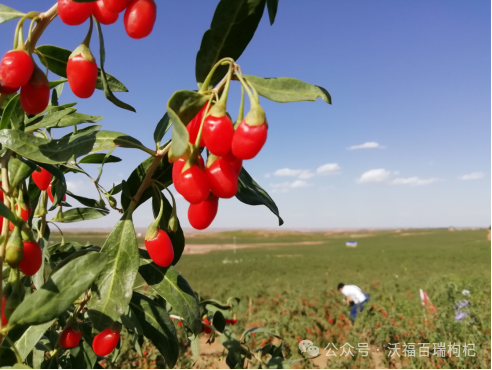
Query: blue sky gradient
(413, 77)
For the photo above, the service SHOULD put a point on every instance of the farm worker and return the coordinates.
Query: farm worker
(355, 296)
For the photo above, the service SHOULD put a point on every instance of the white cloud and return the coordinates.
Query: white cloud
(288, 172)
(367, 145)
(286, 186)
(306, 175)
(374, 176)
(472, 176)
(302, 174)
(328, 169)
(413, 181)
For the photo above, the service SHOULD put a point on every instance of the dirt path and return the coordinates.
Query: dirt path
(207, 248)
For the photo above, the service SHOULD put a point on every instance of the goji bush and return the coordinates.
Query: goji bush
(66, 305)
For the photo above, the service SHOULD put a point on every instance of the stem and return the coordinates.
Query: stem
(12, 345)
(44, 20)
(41, 55)
(87, 39)
(204, 86)
(5, 227)
(251, 97)
(225, 93)
(205, 114)
(240, 115)
(147, 181)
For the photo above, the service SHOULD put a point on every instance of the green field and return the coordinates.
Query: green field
(291, 289)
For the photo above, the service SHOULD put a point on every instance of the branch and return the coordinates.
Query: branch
(147, 181)
(44, 20)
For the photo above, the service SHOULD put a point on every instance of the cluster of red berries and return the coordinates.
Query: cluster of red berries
(202, 185)
(139, 18)
(103, 343)
(18, 70)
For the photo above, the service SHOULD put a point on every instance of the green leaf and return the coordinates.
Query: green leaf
(157, 326)
(215, 303)
(85, 201)
(182, 107)
(272, 6)
(59, 185)
(257, 329)
(170, 285)
(106, 88)
(66, 257)
(162, 126)
(231, 343)
(30, 337)
(9, 111)
(57, 63)
(111, 292)
(7, 213)
(60, 291)
(57, 83)
(99, 158)
(77, 119)
(129, 319)
(287, 90)
(218, 321)
(7, 14)
(249, 192)
(83, 357)
(18, 171)
(51, 119)
(63, 150)
(81, 214)
(278, 363)
(233, 26)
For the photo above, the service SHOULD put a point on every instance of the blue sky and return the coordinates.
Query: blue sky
(410, 83)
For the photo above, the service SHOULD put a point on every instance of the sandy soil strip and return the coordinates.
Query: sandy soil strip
(207, 248)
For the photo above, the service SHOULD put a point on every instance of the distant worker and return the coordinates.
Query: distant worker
(355, 297)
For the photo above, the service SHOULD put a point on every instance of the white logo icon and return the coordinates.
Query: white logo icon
(307, 346)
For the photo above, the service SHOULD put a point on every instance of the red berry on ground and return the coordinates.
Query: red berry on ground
(160, 249)
(82, 75)
(248, 140)
(194, 126)
(73, 13)
(70, 338)
(50, 195)
(116, 6)
(217, 134)
(236, 163)
(103, 14)
(202, 214)
(139, 18)
(193, 185)
(105, 342)
(16, 68)
(35, 95)
(32, 260)
(42, 179)
(222, 178)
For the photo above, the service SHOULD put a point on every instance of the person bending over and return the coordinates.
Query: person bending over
(354, 296)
